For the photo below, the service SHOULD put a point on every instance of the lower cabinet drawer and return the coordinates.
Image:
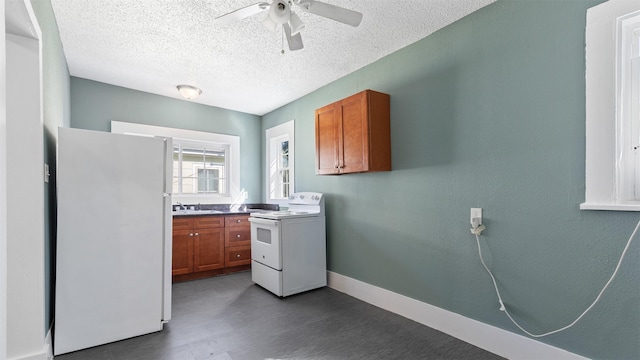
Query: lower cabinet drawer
(237, 236)
(237, 255)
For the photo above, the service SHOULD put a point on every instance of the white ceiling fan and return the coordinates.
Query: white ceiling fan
(281, 13)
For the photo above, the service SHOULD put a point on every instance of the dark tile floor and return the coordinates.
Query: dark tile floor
(228, 317)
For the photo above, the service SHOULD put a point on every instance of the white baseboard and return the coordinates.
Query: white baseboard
(45, 354)
(498, 341)
(37, 356)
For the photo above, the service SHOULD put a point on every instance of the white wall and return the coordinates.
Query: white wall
(24, 153)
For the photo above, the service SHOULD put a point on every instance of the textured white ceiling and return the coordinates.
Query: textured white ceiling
(154, 45)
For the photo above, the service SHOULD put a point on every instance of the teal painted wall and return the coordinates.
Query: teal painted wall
(488, 112)
(94, 105)
(55, 111)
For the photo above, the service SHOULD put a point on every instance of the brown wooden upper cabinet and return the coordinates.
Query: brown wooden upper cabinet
(353, 135)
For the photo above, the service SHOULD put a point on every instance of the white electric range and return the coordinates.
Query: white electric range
(288, 248)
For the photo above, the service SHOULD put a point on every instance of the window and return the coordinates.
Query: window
(282, 167)
(627, 105)
(206, 166)
(199, 167)
(209, 181)
(612, 178)
(280, 162)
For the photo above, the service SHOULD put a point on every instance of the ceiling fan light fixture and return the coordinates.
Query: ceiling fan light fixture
(188, 91)
(295, 23)
(269, 23)
(279, 11)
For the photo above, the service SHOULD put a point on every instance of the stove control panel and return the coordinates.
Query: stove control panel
(306, 198)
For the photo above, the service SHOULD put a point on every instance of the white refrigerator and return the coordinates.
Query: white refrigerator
(113, 254)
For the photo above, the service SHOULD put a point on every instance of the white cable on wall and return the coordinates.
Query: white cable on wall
(506, 311)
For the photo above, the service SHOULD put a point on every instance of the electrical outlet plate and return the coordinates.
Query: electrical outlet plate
(476, 213)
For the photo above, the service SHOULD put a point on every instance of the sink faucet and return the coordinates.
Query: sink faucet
(181, 206)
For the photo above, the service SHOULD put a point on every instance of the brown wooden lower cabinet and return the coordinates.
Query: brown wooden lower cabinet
(208, 249)
(205, 246)
(182, 252)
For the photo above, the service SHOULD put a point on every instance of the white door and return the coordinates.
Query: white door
(265, 242)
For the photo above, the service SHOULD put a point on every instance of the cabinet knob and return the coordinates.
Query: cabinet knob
(197, 234)
(238, 255)
(238, 236)
(191, 234)
(238, 221)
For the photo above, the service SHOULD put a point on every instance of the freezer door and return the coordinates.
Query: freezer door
(110, 242)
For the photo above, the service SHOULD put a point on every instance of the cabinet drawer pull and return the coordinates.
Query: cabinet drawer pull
(239, 221)
(238, 255)
(238, 236)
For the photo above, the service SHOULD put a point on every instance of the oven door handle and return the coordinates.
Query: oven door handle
(263, 221)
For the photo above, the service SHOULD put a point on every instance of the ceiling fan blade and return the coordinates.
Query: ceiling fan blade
(295, 41)
(241, 13)
(332, 12)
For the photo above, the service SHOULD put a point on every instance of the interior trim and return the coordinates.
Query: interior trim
(498, 341)
(612, 207)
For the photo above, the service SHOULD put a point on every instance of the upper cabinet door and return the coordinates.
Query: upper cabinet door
(327, 120)
(353, 152)
(353, 135)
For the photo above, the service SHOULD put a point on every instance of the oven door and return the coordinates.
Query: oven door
(265, 242)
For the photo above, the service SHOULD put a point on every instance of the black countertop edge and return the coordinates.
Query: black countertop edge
(221, 209)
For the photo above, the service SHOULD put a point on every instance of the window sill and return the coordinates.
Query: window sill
(610, 207)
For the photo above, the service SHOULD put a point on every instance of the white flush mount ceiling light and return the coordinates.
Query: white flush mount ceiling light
(189, 92)
(280, 13)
